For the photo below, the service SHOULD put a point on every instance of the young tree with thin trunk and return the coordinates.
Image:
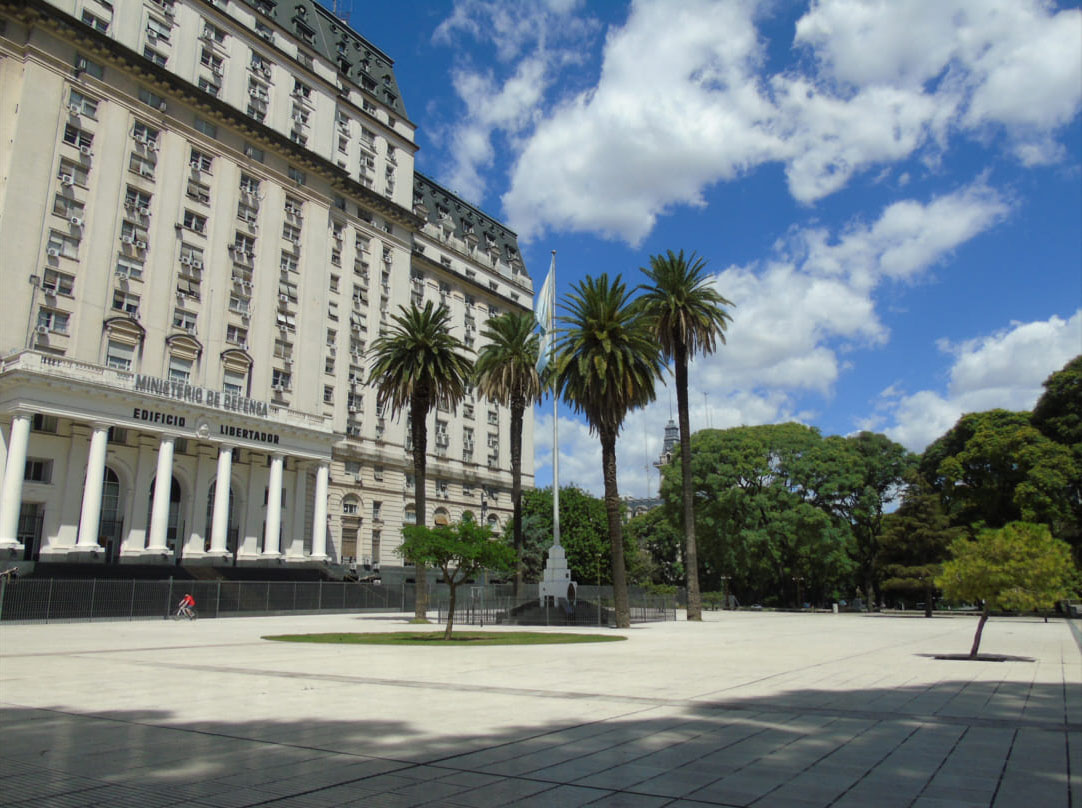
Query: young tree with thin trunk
(506, 371)
(418, 365)
(607, 365)
(1019, 567)
(459, 551)
(689, 318)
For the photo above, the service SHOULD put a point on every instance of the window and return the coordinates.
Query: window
(97, 23)
(200, 161)
(191, 256)
(204, 126)
(260, 64)
(239, 305)
(243, 244)
(288, 262)
(333, 284)
(195, 222)
(132, 233)
(72, 174)
(257, 109)
(377, 511)
(60, 244)
(377, 474)
(235, 381)
(198, 192)
(74, 136)
(353, 467)
(301, 90)
(236, 335)
(142, 165)
(151, 98)
(328, 394)
(286, 320)
(287, 289)
(180, 369)
(38, 470)
(84, 65)
(247, 213)
(297, 176)
(213, 33)
(281, 379)
(291, 232)
(328, 365)
(350, 506)
(119, 355)
(129, 268)
(84, 105)
(332, 310)
(68, 208)
(142, 133)
(264, 31)
(126, 302)
(58, 283)
(137, 201)
(184, 319)
(44, 423)
(160, 59)
(283, 349)
(300, 115)
(210, 87)
(52, 320)
(158, 30)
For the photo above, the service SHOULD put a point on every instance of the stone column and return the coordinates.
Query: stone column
(249, 542)
(11, 491)
(319, 519)
(198, 529)
(159, 510)
(300, 501)
(273, 526)
(67, 531)
(90, 515)
(219, 531)
(136, 540)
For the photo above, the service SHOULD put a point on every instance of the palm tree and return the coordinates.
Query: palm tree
(418, 365)
(689, 318)
(607, 365)
(506, 371)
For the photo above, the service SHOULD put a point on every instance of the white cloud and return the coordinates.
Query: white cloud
(1001, 370)
(795, 316)
(683, 101)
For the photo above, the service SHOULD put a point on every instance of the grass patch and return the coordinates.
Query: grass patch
(459, 638)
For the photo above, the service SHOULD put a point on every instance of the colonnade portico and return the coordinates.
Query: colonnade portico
(86, 459)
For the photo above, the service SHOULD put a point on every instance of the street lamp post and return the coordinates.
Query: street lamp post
(799, 581)
(725, 592)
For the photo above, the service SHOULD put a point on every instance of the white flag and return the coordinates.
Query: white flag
(546, 300)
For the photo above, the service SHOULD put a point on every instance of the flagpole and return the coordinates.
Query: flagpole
(555, 429)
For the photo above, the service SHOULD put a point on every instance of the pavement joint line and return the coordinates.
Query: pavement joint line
(1003, 769)
(875, 765)
(942, 763)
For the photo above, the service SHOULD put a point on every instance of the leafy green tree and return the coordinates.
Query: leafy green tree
(607, 365)
(915, 541)
(419, 364)
(656, 535)
(995, 467)
(584, 533)
(1058, 412)
(459, 550)
(689, 317)
(1058, 416)
(506, 371)
(1019, 567)
(766, 500)
(872, 478)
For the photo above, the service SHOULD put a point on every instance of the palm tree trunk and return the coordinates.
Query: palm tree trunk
(419, 433)
(450, 609)
(616, 538)
(518, 405)
(691, 555)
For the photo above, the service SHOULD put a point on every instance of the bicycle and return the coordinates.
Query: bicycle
(185, 612)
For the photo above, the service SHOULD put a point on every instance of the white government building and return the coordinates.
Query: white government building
(208, 211)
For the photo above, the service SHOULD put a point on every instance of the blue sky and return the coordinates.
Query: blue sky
(890, 192)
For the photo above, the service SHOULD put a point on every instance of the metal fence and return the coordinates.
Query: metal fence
(479, 606)
(52, 600)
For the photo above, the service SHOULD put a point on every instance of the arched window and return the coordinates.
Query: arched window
(351, 506)
(441, 517)
(410, 516)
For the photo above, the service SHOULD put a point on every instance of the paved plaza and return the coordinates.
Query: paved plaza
(745, 709)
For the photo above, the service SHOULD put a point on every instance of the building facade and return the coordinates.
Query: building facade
(208, 211)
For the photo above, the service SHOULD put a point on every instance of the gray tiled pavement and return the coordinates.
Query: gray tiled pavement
(764, 710)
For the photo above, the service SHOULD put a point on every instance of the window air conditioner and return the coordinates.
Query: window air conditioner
(75, 110)
(144, 211)
(123, 274)
(146, 172)
(86, 151)
(75, 220)
(288, 361)
(197, 264)
(67, 179)
(186, 259)
(162, 106)
(190, 329)
(127, 240)
(278, 388)
(43, 329)
(142, 245)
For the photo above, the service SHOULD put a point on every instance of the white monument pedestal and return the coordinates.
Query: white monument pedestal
(556, 583)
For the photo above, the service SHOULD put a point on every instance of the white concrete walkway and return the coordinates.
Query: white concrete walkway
(772, 710)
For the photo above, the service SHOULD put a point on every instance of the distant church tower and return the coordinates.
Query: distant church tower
(672, 438)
